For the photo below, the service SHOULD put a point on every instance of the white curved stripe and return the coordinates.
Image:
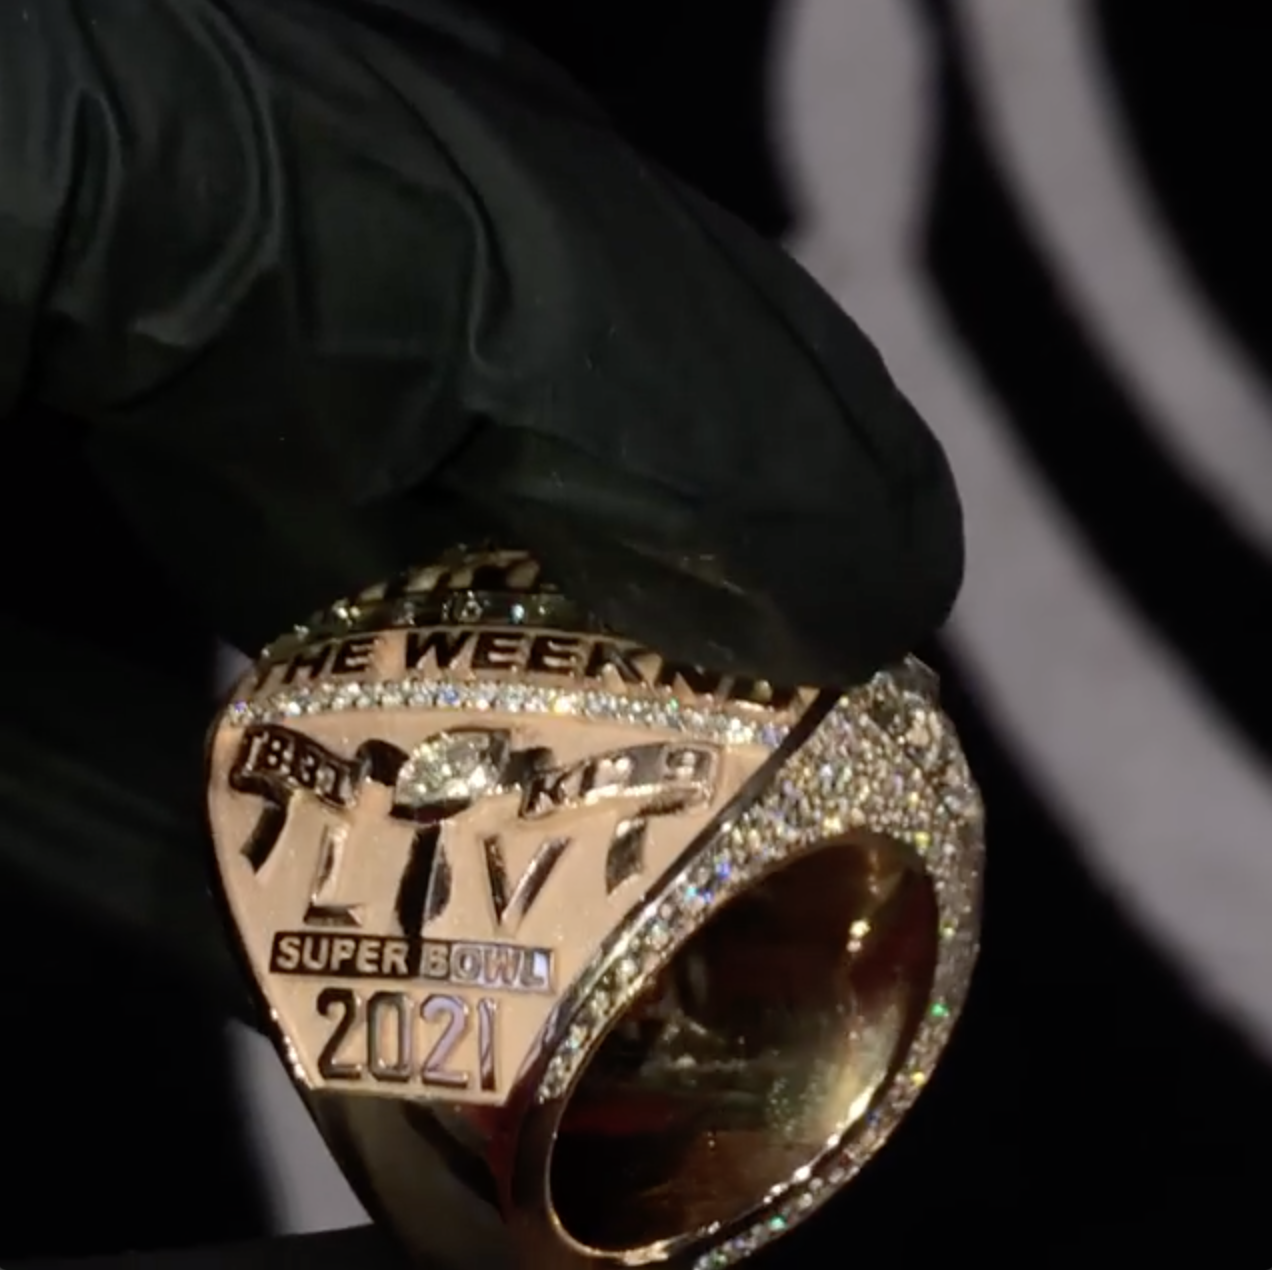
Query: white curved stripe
(1056, 125)
(305, 1189)
(230, 666)
(1174, 810)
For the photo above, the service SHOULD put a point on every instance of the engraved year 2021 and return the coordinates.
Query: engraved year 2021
(438, 1041)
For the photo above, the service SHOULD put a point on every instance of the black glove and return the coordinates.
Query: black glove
(293, 295)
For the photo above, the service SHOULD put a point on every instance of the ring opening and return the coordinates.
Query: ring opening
(769, 1035)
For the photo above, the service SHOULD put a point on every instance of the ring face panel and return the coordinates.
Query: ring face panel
(461, 831)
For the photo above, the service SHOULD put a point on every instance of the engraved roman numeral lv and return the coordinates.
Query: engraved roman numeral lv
(511, 903)
(438, 781)
(324, 907)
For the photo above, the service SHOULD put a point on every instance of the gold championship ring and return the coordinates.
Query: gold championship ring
(581, 957)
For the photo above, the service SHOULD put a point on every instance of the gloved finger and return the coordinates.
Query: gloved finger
(460, 306)
(474, 286)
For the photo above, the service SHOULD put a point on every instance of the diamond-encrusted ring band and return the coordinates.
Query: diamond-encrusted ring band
(581, 957)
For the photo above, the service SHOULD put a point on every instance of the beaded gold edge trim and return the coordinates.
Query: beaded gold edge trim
(651, 708)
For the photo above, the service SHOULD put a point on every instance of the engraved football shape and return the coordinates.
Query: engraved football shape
(454, 767)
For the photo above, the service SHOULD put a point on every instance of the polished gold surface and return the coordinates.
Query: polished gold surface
(767, 1037)
(579, 956)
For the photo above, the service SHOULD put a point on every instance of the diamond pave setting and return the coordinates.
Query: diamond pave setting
(654, 708)
(884, 759)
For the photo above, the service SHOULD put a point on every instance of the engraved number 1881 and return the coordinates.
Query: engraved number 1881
(396, 1038)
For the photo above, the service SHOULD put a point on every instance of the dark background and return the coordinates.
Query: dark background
(1092, 1107)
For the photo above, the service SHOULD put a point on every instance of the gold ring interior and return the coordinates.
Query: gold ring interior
(771, 1033)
